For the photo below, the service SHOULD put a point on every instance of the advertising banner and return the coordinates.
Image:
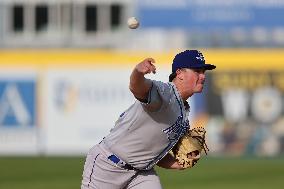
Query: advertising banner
(246, 112)
(207, 14)
(81, 106)
(18, 113)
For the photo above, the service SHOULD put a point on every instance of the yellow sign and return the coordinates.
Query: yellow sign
(224, 59)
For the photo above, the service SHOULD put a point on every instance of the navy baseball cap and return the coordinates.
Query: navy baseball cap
(192, 59)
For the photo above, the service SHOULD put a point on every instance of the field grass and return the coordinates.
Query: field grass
(228, 174)
(211, 173)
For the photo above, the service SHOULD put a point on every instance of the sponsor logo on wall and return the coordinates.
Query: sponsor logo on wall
(19, 133)
(17, 103)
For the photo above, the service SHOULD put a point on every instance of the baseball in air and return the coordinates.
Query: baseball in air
(132, 23)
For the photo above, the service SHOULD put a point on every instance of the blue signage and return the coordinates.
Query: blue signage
(17, 103)
(207, 14)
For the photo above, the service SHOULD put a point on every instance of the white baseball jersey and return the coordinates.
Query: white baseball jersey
(142, 137)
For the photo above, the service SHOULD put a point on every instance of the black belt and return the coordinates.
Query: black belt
(120, 163)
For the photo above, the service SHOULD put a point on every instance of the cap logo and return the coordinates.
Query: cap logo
(200, 56)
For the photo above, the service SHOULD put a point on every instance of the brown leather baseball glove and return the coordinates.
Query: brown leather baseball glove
(188, 149)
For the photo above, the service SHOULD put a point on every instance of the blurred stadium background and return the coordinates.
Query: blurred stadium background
(64, 70)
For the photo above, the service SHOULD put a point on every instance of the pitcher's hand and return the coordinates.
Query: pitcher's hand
(146, 66)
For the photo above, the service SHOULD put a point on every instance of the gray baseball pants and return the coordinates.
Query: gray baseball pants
(101, 173)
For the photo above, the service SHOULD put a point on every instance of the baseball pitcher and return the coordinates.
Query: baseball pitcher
(153, 131)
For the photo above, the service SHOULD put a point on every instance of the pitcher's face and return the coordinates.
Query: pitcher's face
(194, 79)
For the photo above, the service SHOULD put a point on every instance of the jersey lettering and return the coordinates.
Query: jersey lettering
(177, 130)
(173, 132)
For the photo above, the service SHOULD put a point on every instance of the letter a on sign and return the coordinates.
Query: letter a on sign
(13, 109)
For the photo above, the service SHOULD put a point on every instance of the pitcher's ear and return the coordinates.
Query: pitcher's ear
(179, 74)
